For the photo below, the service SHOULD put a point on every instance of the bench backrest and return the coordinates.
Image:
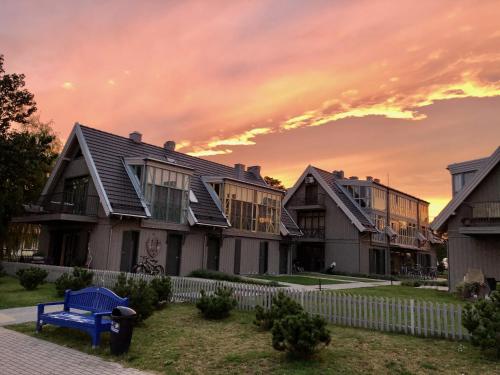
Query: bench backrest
(93, 299)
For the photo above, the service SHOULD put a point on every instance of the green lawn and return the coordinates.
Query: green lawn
(12, 294)
(302, 280)
(178, 341)
(341, 277)
(398, 291)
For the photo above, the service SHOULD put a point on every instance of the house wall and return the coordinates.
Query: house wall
(342, 239)
(474, 252)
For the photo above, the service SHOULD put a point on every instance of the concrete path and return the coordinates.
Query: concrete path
(22, 314)
(25, 355)
(349, 285)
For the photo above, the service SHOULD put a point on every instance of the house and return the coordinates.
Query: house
(111, 200)
(471, 219)
(361, 225)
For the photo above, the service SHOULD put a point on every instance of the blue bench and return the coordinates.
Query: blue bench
(96, 303)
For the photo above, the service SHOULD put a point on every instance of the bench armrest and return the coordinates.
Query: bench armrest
(41, 306)
(98, 316)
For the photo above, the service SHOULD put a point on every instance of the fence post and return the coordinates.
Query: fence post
(412, 316)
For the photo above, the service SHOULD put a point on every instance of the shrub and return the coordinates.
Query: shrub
(363, 275)
(300, 335)
(282, 306)
(218, 305)
(79, 279)
(31, 277)
(218, 275)
(142, 297)
(412, 283)
(482, 320)
(163, 288)
(468, 290)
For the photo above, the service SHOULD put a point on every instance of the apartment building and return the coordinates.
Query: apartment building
(111, 200)
(361, 225)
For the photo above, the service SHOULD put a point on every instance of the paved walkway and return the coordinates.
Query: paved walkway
(21, 314)
(348, 285)
(25, 355)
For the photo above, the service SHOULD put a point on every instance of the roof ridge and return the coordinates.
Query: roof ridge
(161, 148)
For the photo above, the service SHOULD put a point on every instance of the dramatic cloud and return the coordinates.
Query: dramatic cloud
(343, 84)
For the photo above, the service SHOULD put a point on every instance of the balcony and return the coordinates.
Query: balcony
(316, 234)
(71, 203)
(481, 218)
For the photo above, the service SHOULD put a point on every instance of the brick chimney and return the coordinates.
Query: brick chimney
(338, 174)
(135, 136)
(353, 178)
(169, 145)
(255, 170)
(240, 170)
(369, 178)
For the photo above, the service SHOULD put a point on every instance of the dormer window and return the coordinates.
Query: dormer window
(164, 188)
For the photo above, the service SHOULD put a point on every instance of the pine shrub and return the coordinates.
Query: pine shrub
(482, 320)
(141, 296)
(217, 305)
(282, 305)
(79, 279)
(412, 283)
(163, 288)
(300, 335)
(31, 278)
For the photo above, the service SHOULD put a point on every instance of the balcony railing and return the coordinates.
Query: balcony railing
(313, 233)
(71, 203)
(485, 210)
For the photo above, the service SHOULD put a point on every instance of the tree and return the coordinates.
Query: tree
(28, 149)
(16, 103)
(274, 182)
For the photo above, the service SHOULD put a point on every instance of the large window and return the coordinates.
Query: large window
(166, 192)
(361, 194)
(252, 210)
(312, 223)
(402, 206)
(379, 199)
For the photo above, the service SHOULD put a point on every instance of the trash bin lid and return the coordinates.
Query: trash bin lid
(123, 311)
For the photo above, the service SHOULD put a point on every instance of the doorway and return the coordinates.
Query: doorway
(311, 256)
(130, 245)
(263, 257)
(213, 253)
(284, 258)
(174, 253)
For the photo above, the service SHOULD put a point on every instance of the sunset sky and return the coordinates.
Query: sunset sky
(380, 88)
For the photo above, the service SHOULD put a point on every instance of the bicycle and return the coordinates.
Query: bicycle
(148, 266)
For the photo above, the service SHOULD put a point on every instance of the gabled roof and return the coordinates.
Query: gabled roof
(486, 166)
(339, 195)
(105, 154)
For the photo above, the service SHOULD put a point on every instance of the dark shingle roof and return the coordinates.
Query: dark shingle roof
(289, 224)
(108, 150)
(351, 205)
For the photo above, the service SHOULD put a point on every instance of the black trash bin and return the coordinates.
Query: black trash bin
(122, 325)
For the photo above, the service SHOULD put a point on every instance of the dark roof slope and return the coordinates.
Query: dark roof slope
(289, 224)
(351, 205)
(108, 150)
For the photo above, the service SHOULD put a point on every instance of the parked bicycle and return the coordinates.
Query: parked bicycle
(148, 266)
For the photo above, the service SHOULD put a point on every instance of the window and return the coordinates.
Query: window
(75, 194)
(361, 194)
(252, 210)
(457, 182)
(167, 194)
(311, 194)
(379, 199)
(312, 223)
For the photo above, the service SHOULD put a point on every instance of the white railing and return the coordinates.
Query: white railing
(407, 316)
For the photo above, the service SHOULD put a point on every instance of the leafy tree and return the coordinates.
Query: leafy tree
(28, 148)
(274, 182)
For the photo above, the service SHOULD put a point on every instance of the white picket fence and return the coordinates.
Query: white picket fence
(407, 316)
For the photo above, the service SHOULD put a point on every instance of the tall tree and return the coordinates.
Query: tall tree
(28, 149)
(274, 182)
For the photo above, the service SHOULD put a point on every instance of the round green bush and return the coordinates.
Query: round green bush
(217, 305)
(282, 305)
(300, 335)
(31, 278)
(163, 289)
(142, 297)
(79, 279)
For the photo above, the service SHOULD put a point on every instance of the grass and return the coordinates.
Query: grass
(302, 280)
(341, 277)
(178, 341)
(398, 291)
(12, 294)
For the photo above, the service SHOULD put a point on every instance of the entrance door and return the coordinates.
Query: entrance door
(263, 256)
(377, 261)
(70, 255)
(237, 256)
(311, 256)
(284, 258)
(213, 252)
(130, 244)
(174, 252)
